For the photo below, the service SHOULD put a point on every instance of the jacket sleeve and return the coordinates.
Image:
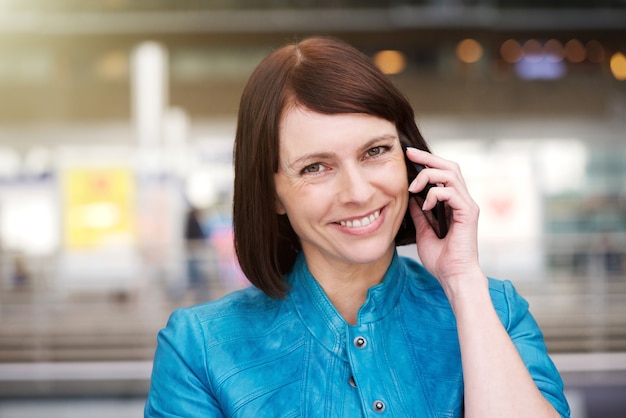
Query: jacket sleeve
(179, 385)
(528, 339)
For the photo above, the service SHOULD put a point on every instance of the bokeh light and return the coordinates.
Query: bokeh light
(554, 51)
(469, 51)
(575, 51)
(390, 61)
(618, 66)
(113, 66)
(532, 50)
(511, 51)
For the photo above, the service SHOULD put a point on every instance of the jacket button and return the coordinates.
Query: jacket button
(352, 382)
(379, 406)
(360, 342)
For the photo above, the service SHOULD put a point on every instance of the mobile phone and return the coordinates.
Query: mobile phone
(436, 217)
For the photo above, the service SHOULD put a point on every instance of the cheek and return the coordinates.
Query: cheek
(396, 182)
(286, 191)
(300, 201)
(306, 211)
(396, 186)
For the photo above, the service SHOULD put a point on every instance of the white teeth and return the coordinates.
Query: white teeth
(361, 222)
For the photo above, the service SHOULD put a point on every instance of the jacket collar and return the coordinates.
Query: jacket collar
(320, 316)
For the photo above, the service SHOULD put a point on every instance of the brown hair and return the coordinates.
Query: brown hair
(326, 76)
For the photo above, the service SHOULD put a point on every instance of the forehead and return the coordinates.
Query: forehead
(302, 127)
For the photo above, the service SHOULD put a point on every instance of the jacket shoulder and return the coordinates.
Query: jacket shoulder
(243, 312)
(423, 286)
(248, 301)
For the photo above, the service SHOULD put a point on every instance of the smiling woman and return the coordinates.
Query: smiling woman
(310, 75)
(337, 323)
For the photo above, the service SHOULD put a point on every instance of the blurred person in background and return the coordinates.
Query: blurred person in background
(337, 323)
(20, 271)
(196, 252)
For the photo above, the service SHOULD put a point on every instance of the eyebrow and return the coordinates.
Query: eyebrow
(325, 155)
(311, 156)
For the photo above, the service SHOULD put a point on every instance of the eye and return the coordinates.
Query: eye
(312, 168)
(376, 151)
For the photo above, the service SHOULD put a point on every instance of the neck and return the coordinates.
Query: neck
(347, 287)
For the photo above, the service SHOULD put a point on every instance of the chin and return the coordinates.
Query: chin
(360, 255)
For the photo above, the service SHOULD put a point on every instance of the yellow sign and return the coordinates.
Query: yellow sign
(98, 206)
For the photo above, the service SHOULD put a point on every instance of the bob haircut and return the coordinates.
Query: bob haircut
(324, 75)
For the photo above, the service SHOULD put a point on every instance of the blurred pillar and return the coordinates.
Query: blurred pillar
(158, 202)
(149, 92)
(175, 138)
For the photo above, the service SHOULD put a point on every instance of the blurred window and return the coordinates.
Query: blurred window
(26, 66)
(198, 64)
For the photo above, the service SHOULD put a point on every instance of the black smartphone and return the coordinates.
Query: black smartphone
(437, 217)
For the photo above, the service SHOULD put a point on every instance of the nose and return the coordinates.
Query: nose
(355, 187)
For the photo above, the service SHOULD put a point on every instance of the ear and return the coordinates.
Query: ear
(280, 209)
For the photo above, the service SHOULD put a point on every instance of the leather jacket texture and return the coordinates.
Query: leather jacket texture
(248, 355)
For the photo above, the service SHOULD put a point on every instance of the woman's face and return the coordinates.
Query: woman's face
(342, 183)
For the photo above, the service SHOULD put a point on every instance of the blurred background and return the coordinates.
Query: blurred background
(117, 119)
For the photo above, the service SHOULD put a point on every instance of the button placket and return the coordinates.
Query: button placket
(362, 359)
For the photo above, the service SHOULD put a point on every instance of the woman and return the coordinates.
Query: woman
(337, 324)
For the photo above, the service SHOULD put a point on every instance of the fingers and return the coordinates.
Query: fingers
(432, 161)
(440, 172)
(444, 173)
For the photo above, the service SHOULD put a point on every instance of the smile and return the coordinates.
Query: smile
(364, 221)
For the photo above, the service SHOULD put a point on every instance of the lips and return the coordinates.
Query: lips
(360, 222)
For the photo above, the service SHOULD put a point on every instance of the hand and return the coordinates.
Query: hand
(456, 255)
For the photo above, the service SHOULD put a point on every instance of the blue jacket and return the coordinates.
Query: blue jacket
(250, 356)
